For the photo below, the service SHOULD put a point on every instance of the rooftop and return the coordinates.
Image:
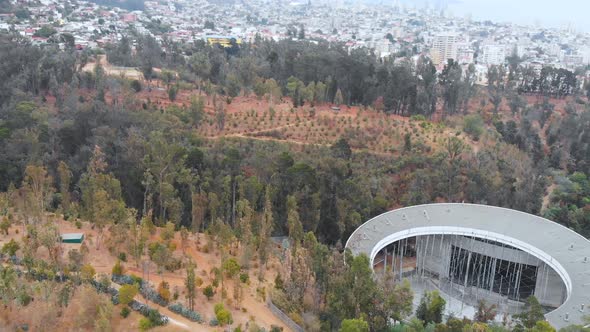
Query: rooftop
(567, 252)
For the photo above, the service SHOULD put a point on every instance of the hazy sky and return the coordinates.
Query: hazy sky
(553, 13)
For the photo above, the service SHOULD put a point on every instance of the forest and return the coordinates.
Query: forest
(91, 146)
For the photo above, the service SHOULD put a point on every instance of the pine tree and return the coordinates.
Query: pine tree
(190, 284)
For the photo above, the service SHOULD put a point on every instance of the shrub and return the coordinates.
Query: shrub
(473, 126)
(136, 85)
(244, 277)
(214, 322)
(223, 315)
(418, 117)
(185, 312)
(167, 232)
(164, 291)
(208, 292)
(125, 312)
(23, 298)
(122, 279)
(279, 282)
(151, 294)
(78, 224)
(136, 279)
(10, 248)
(117, 269)
(87, 272)
(127, 293)
(145, 324)
(123, 257)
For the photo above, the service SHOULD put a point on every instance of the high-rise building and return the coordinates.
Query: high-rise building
(493, 54)
(444, 47)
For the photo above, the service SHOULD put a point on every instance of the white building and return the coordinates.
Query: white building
(444, 47)
(493, 55)
(465, 55)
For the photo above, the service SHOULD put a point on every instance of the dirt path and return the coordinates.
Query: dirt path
(547, 198)
(180, 324)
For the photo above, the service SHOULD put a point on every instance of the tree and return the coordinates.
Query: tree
(431, 307)
(450, 81)
(164, 160)
(341, 149)
(274, 91)
(167, 232)
(532, 313)
(484, 312)
(197, 110)
(127, 293)
(516, 103)
(136, 236)
(208, 292)
(219, 113)
(65, 294)
(543, 326)
(160, 254)
(355, 279)
(50, 238)
(37, 185)
(260, 88)
(102, 201)
(223, 315)
(198, 210)
(399, 300)
(496, 86)
(338, 99)
(454, 147)
(230, 268)
(10, 248)
(136, 86)
(117, 269)
(164, 290)
(190, 284)
(301, 34)
(266, 226)
(45, 31)
(5, 225)
(473, 125)
(8, 279)
(87, 272)
(93, 309)
(103, 319)
(294, 224)
(354, 325)
(172, 92)
(65, 177)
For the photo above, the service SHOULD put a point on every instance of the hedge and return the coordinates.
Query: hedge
(186, 312)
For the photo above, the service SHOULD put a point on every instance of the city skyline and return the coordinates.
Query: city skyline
(546, 13)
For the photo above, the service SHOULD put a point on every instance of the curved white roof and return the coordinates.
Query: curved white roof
(566, 251)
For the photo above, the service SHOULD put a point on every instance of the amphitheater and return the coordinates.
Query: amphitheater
(475, 252)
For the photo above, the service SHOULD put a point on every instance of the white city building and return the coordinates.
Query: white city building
(493, 54)
(444, 47)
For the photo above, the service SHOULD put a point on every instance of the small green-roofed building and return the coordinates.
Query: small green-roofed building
(72, 238)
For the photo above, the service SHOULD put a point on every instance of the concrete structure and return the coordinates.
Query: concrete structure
(465, 55)
(473, 252)
(444, 47)
(493, 55)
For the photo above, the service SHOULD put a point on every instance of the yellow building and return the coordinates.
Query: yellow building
(224, 41)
